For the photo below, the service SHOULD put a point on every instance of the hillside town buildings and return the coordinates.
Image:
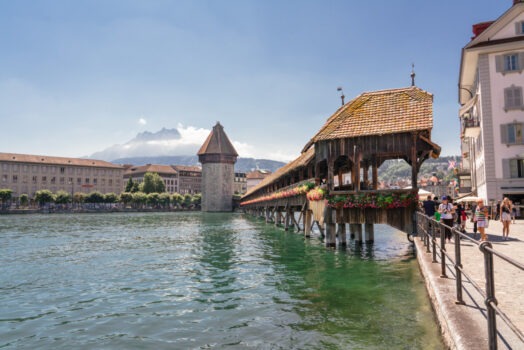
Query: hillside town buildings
(240, 184)
(490, 91)
(26, 174)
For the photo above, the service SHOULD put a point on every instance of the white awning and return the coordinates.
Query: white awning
(467, 106)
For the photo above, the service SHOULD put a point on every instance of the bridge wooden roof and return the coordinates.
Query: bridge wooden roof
(303, 160)
(379, 113)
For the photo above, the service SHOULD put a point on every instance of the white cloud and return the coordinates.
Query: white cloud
(142, 121)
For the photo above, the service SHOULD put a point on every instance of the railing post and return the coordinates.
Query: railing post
(458, 267)
(434, 241)
(490, 294)
(426, 236)
(442, 251)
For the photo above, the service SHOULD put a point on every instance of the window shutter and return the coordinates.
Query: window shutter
(504, 133)
(508, 98)
(506, 168)
(513, 165)
(499, 63)
(517, 28)
(521, 60)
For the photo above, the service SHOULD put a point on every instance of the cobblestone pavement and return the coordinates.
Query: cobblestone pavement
(467, 323)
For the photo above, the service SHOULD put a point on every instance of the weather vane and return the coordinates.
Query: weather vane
(341, 94)
(412, 74)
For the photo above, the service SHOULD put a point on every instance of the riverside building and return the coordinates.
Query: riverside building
(491, 82)
(26, 174)
(168, 174)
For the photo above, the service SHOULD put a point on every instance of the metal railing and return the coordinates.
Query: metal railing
(427, 229)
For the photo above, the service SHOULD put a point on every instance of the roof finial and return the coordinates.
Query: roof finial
(413, 74)
(341, 94)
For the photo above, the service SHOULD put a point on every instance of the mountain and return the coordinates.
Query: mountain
(164, 142)
(242, 165)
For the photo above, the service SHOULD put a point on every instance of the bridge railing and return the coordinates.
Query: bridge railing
(432, 233)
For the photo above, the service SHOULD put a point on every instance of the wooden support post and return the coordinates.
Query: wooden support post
(351, 231)
(330, 174)
(331, 240)
(341, 232)
(374, 171)
(357, 229)
(278, 217)
(267, 215)
(307, 223)
(370, 233)
(287, 219)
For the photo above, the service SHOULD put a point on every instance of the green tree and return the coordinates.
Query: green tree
(187, 200)
(94, 197)
(5, 196)
(24, 200)
(153, 183)
(139, 199)
(79, 198)
(111, 197)
(177, 199)
(197, 200)
(136, 187)
(164, 199)
(126, 198)
(153, 199)
(129, 185)
(62, 197)
(43, 197)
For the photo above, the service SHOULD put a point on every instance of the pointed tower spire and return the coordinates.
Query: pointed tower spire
(412, 74)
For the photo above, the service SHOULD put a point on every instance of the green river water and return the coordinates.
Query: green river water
(201, 281)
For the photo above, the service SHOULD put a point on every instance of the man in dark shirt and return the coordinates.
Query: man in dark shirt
(429, 207)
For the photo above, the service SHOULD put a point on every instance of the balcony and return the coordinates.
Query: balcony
(470, 126)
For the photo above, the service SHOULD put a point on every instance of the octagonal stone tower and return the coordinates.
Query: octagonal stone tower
(218, 157)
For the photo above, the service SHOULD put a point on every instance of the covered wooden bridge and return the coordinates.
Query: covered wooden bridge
(335, 179)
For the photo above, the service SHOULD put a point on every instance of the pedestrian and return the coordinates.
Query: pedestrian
(473, 219)
(505, 217)
(461, 217)
(446, 216)
(497, 215)
(513, 211)
(481, 218)
(429, 207)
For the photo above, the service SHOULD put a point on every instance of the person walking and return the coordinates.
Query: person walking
(513, 211)
(497, 215)
(505, 217)
(446, 216)
(481, 218)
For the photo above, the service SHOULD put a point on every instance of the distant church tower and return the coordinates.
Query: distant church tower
(218, 157)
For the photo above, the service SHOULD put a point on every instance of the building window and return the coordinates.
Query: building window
(95, 181)
(516, 167)
(519, 28)
(15, 178)
(513, 97)
(4, 178)
(87, 180)
(512, 62)
(511, 134)
(44, 179)
(78, 181)
(35, 179)
(53, 180)
(70, 181)
(5, 167)
(35, 168)
(110, 182)
(62, 170)
(62, 180)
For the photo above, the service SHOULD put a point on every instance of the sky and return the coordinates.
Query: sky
(79, 76)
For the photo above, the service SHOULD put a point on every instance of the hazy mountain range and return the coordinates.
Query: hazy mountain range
(169, 147)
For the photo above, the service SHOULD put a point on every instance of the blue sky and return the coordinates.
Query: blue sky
(79, 76)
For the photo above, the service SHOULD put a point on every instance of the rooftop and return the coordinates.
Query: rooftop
(218, 143)
(38, 159)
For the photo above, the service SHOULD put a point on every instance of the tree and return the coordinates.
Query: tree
(187, 200)
(94, 197)
(153, 183)
(136, 187)
(79, 197)
(126, 198)
(153, 199)
(111, 197)
(139, 199)
(5, 196)
(164, 199)
(129, 185)
(24, 200)
(197, 200)
(44, 196)
(177, 199)
(62, 197)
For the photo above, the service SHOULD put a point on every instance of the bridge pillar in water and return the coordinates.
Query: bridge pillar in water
(351, 231)
(370, 233)
(357, 232)
(341, 232)
(278, 218)
(307, 223)
(331, 234)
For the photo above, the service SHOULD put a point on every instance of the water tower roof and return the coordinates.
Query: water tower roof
(218, 143)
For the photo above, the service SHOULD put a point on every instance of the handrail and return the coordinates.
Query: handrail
(427, 226)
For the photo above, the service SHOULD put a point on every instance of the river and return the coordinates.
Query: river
(203, 280)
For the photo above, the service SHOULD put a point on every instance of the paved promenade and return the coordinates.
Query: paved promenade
(465, 326)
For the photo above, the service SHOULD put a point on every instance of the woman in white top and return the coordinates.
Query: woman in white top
(446, 211)
(505, 218)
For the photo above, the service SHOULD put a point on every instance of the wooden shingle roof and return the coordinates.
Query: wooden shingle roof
(302, 161)
(218, 143)
(379, 113)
